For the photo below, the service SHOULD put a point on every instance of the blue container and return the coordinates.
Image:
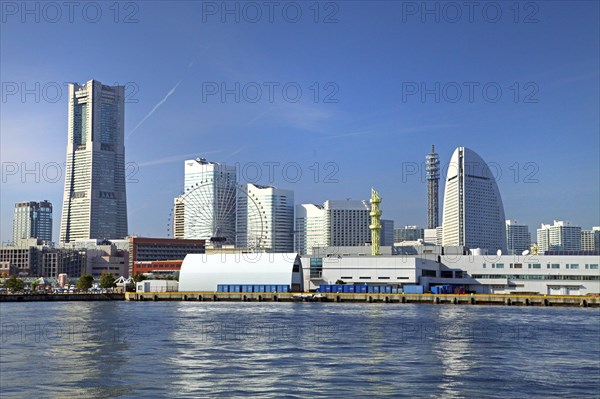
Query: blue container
(225, 288)
(413, 289)
(394, 290)
(255, 288)
(351, 289)
(435, 290)
(327, 288)
(219, 288)
(362, 289)
(285, 288)
(337, 288)
(388, 289)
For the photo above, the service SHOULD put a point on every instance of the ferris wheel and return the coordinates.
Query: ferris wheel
(224, 214)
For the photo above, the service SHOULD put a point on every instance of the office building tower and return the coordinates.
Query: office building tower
(432, 164)
(32, 220)
(265, 218)
(94, 200)
(518, 238)
(409, 233)
(473, 211)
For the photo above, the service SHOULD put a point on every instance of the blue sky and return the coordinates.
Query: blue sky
(367, 62)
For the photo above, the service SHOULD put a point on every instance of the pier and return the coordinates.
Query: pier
(439, 299)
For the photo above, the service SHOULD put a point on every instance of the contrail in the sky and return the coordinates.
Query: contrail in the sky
(161, 102)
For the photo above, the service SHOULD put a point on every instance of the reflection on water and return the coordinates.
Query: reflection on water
(194, 349)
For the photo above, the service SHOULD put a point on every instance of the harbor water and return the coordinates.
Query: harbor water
(237, 349)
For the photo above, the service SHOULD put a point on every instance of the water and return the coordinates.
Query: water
(192, 349)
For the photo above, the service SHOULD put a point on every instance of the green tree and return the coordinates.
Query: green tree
(14, 284)
(107, 280)
(139, 277)
(34, 285)
(340, 282)
(85, 282)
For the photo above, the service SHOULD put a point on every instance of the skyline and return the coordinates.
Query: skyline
(175, 118)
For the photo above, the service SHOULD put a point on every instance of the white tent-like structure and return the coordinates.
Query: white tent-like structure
(202, 272)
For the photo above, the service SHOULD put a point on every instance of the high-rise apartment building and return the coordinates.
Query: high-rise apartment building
(387, 233)
(473, 211)
(32, 220)
(209, 201)
(590, 239)
(560, 236)
(518, 237)
(94, 200)
(265, 218)
(342, 223)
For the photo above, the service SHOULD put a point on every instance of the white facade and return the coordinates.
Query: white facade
(203, 272)
(518, 237)
(94, 199)
(310, 228)
(551, 275)
(560, 236)
(157, 286)
(590, 239)
(179, 217)
(344, 223)
(473, 211)
(210, 201)
(276, 209)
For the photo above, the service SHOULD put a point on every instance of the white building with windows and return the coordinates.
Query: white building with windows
(518, 237)
(310, 228)
(336, 223)
(560, 236)
(473, 210)
(94, 199)
(276, 208)
(550, 275)
(209, 201)
(590, 239)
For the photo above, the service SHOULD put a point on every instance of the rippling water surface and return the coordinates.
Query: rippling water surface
(204, 349)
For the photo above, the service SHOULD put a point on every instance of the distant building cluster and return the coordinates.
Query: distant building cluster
(217, 214)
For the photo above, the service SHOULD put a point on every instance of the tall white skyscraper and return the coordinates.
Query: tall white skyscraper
(209, 201)
(94, 200)
(276, 209)
(32, 220)
(560, 236)
(518, 237)
(336, 223)
(310, 228)
(473, 210)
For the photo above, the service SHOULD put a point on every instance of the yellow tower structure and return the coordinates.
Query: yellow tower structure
(375, 222)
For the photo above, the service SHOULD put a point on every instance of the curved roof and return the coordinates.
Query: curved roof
(473, 210)
(202, 272)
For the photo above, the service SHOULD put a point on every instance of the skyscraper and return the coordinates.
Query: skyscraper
(94, 200)
(473, 210)
(337, 223)
(560, 236)
(432, 162)
(518, 237)
(32, 220)
(209, 201)
(178, 217)
(276, 208)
